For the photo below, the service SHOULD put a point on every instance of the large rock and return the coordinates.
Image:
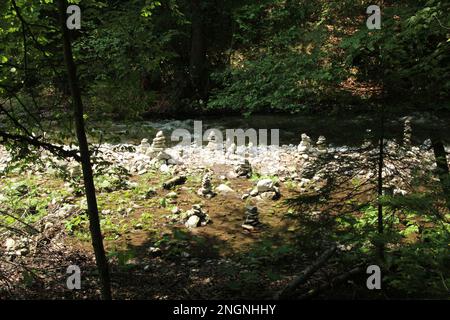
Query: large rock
(224, 189)
(269, 195)
(192, 222)
(266, 189)
(265, 185)
(163, 156)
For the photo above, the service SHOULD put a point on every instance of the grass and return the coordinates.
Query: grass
(269, 256)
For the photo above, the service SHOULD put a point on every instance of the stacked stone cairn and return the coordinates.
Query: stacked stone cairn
(158, 145)
(251, 150)
(231, 151)
(244, 169)
(251, 218)
(321, 146)
(143, 147)
(206, 190)
(308, 170)
(305, 145)
(407, 133)
(213, 144)
(195, 217)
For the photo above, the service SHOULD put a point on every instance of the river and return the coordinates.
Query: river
(339, 131)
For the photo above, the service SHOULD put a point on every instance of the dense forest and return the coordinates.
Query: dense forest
(99, 199)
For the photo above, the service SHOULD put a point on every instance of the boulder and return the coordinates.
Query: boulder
(192, 222)
(224, 189)
(269, 195)
(265, 185)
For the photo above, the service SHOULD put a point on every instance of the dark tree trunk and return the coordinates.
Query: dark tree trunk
(94, 221)
(380, 186)
(198, 62)
(442, 166)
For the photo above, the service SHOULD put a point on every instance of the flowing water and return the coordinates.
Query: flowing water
(339, 131)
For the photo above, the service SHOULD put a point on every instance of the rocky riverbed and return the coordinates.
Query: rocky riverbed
(302, 162)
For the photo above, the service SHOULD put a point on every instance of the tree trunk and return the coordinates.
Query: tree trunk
(94, 221)
(442, 166)
(197, 65)
(380, 187)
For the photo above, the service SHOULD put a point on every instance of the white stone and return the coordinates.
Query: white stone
(245, 196)
(264, 185)
(232, 149)
(400, 192)
(48, 225)
(172, 195)
(193, 221)
(224, 189)
(175, 210)
(164, 168)
(10, 244)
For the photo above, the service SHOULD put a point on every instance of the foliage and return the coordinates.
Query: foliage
(410, 54)
(290, 73)
(286, 56)
(416, 242)
(115, 55)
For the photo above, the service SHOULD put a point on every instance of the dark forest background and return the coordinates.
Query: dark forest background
(173, 58)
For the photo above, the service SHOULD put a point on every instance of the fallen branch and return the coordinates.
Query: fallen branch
(332, 283)
(54, 149)
(169, 184)
(14, 230)
(29, 226)
(306, 274)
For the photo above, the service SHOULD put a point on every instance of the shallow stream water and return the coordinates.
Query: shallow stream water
(339, 131)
